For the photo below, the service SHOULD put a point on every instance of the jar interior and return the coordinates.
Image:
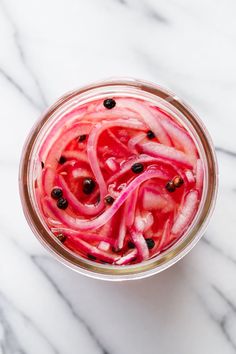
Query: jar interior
(134, 89)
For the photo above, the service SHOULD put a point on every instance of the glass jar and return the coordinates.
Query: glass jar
(127, 88)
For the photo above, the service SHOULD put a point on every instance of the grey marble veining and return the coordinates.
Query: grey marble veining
(49, 47)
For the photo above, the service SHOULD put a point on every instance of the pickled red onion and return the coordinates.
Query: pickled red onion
(186, 214)
(92, 148)
(166, 152)
(127, 202)
(83, 209)
(79, 224)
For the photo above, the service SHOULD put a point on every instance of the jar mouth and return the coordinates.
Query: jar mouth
(187, 240)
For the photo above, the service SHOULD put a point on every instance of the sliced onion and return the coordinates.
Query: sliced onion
(190, 177)
(63, 140)
(122, 232)
(165, 238)
(130, 207)
(186, 214)
(75, 155)
(123, 114)
(157, 199)
(62, 169)
(139, 223)
(153, 200)
(89, 237)
(143, 221)
(79, 173)
(199, 175)
(82, 209)
(127, 258)
(147, 116)
(148, 220)
(143, 159)
(134, 141)
(92, 148)
(85, 247)
(112, 164)
(48, 180)
(79, 224)
(140, 244)
(181, 139)
(166, 152)
(53, 222)
(89, 228)
(117, 141)
(104, 246)
(60, 128)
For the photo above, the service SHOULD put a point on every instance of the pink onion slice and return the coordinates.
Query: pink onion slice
(165, 235)
(104, 246)
(148, 220)
(143, 205)
(48, 180)
(92, 147)
(157, 199)
(190, 177)
(186, 214)
(130, 207)
(199, 175)
(79, 224)
(63, 140)
(140, 244)
(118, 141)
(112, 164)
(120, 113)
(61, 169)
(166, 152)
(59, 129)
(122, 232)
(143, 221)
(85, 247)
(83, 209)
(127, 258)
(78, 173)
(134, 141)
(147, 116)
(180, 139)
(75, 155)
(144, 159)
(88, 236)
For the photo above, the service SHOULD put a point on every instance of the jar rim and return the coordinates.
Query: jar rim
(159, 262)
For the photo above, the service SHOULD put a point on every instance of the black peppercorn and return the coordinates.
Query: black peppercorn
(150, 135)
(137, 167)
(178, 181)
(109, 103)
(88, 185)
(61, 237)
(109, 199)
(62, 160)
(170, 186)
(131, 244)
(56, 193)
(82, 138)
(62, 203)
(90, 256)
(150, 243)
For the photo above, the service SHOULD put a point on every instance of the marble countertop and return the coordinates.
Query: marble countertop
(48, 47)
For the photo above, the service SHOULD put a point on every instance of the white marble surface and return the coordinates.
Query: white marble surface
(48, 47)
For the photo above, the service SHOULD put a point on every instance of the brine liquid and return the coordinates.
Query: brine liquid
(118, 184)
